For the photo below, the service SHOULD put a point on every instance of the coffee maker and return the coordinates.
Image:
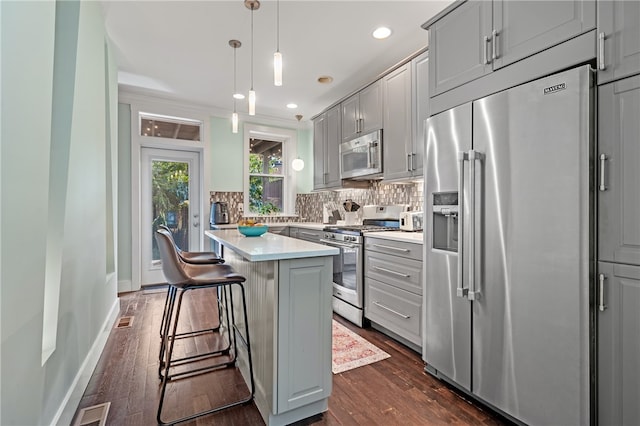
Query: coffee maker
(219, 213)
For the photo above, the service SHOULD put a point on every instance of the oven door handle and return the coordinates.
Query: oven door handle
(335, 243)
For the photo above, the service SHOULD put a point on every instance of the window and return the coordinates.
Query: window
(269, 182)
(169, 127)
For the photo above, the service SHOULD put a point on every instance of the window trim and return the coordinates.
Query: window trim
(289, 139)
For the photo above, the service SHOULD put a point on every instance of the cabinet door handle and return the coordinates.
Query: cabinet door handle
(486, 48)
(601, 64)
(391, 310)
(413, 163)
(603, 162)
(361, 125)
(391, 248)
(308, 234)
(461, 291)
(601, 305)
(494, 41)
(408, 162)
(390, 271)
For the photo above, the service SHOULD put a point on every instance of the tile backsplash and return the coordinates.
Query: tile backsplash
(309, 206)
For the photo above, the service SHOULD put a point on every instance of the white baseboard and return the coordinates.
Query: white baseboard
(70, 403)
(125, 286)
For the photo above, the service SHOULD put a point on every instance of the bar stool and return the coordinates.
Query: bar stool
(196, 258)
(185, 277)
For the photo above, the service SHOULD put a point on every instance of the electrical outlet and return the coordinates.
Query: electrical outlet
(240, 208)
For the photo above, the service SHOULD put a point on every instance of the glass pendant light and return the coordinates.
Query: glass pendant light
(277, 57)
(234, 117)
(252, 5)
(298, 163)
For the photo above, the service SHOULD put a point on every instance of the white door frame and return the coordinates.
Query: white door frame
(137, 143)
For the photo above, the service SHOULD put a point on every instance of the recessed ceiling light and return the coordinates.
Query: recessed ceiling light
(381, 32)
(292, 106)
(325, 79)
(238, 95)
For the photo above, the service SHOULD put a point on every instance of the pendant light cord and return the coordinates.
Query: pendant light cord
(277, 25)
(252, 48)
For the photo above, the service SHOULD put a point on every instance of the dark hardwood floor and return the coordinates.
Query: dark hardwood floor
(395, 391)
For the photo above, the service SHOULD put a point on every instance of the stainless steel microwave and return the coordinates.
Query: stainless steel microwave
(361, 158)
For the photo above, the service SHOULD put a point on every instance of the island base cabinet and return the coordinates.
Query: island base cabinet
(618, 307)
(289, 310)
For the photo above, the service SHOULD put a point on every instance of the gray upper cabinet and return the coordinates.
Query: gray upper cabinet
(522, 28)
(618, 39)
(618, 344)
(420, 108)
(362, 112)
(397, 142)
(326, 144)
(319, 142)
(618, 171)
(406, 107)
(458, 48)
(479, 36)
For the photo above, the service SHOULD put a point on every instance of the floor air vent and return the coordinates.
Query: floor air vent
(93, 416)
(124, 322)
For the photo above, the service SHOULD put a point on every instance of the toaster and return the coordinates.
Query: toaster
(411, 221)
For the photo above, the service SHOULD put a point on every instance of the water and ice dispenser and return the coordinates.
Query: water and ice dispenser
(445, 221)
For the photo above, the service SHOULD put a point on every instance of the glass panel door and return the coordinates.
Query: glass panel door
(171, 197)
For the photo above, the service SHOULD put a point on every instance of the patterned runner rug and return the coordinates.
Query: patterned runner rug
(352, 351)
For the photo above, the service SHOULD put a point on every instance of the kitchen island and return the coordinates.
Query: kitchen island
(288, 293)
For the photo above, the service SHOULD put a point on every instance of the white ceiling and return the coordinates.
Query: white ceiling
(180, 49)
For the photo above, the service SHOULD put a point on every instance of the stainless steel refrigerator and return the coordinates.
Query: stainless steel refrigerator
(509, 248)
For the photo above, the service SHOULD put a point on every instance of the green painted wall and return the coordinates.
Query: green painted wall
(124, 194)
(226, 156)
(34, 112)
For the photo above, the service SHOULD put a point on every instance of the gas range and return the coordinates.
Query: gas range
(354, 233)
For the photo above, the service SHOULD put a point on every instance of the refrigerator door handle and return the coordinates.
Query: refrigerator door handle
(603, 159)
(474, 289)
(462, 157)
(601, 305)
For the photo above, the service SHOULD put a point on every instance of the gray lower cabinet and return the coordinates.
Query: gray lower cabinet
(280, 230)
(326, 145)
(313, 235)
(618, 39)
(393, 287)
(619, 171)
(618, 344)
(478, 36)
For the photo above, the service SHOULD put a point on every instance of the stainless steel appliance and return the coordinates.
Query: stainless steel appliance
(361, 158)
(219, 213)
(411, 221)
(509, 249)
(348, 265)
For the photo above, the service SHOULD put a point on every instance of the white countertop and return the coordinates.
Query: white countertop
(269, 246)
(410, 237)
(308, 225)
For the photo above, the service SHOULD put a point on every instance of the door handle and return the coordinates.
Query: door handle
(413, 163)
(461, 291)
(391, 248)
(603, 162)
(601, 305)
(494, 46)
(474, 290)
(391, 310)
(389, 271)
(486, 48)
(196, 224)
(408, 162)
(601, 65)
